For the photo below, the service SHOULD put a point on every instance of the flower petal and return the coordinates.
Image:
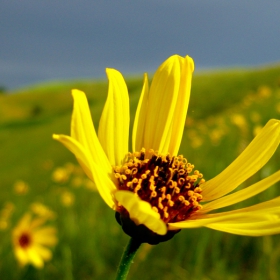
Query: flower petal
(205, 220)
(34, 257)
(21, 255)
(265, 213)
(167, 106)
(83, 131)
(81, 154)
(45, 231)
(46, 240)
(45, 236)
(269, 207)
(141, 212)
(24, 222)
(254, 157)
(105, 184)
(242, 194)
(180, 113)
(113, 129)
(104, 180)
(140, 118)
(43, 252)
(35, 223)
(249, 229)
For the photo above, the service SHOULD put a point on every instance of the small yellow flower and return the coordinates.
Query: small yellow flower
(31, 241)
(21, 187)
(5, 215)
(60, 175)
(67, 198)
(42, 211)
(155, 192)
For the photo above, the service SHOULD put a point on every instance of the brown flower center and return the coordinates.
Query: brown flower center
(24, 240)
(169, 184)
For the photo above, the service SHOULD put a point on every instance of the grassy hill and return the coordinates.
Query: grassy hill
(227, 109)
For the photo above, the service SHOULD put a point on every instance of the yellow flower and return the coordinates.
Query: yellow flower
(31, 241)
(21, 187)
(155, 192)
(42, 211)
(67, 198)
(60, 175)
(5, 215)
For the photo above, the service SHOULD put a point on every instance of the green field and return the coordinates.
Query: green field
(226, 110)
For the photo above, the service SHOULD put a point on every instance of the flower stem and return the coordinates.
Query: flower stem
(127, 257)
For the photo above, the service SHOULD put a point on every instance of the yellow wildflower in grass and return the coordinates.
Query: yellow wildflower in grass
(77, 181)
(42, 211)
(60, 175)
(5, 215)
(154, 191)
(31, 240)
(67, 198)
(21, 187)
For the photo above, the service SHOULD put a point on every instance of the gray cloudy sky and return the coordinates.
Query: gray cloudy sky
(64, 39)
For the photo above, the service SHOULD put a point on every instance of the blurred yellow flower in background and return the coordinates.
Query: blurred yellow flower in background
(42, 211)
(21, 187)
(5, 215)
(153, 188)
(60, 175)
(67, 198)
(31, 241)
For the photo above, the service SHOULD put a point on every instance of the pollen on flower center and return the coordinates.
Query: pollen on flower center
(24, 240)
(169, 184)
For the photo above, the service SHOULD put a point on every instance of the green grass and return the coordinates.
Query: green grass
(225, 111)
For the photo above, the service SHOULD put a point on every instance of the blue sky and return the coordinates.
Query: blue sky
(65, 39)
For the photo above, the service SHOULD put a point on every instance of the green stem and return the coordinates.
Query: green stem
(127, 258)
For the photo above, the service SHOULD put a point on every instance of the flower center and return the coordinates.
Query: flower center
(24, 240)
(169, 184)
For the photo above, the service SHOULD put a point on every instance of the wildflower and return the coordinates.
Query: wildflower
(67, 198)
(60, 175)
(21, 187)
(31, 241)
(5, 215)
(154, 191)
(42, 211)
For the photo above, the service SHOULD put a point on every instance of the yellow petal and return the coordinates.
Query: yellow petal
(180, 113)
(35, 223)
(263, 213)
(21, 256)
(140, 118)
(167, 105)
(34, 257)
(141, 212)
(45, 236)
(269, 207)
(204, 220)
(82, 155)
(242, 194)
(105, 184)
(46, 240)
(43, 252)
(103, 180)
(83, 131)
(113, 129)
(47, 230)
(254, 157)
(249, 229)
(24, 222)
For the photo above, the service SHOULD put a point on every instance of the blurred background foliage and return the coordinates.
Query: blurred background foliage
(227, 109)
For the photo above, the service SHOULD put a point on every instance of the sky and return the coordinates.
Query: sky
(69, 39)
